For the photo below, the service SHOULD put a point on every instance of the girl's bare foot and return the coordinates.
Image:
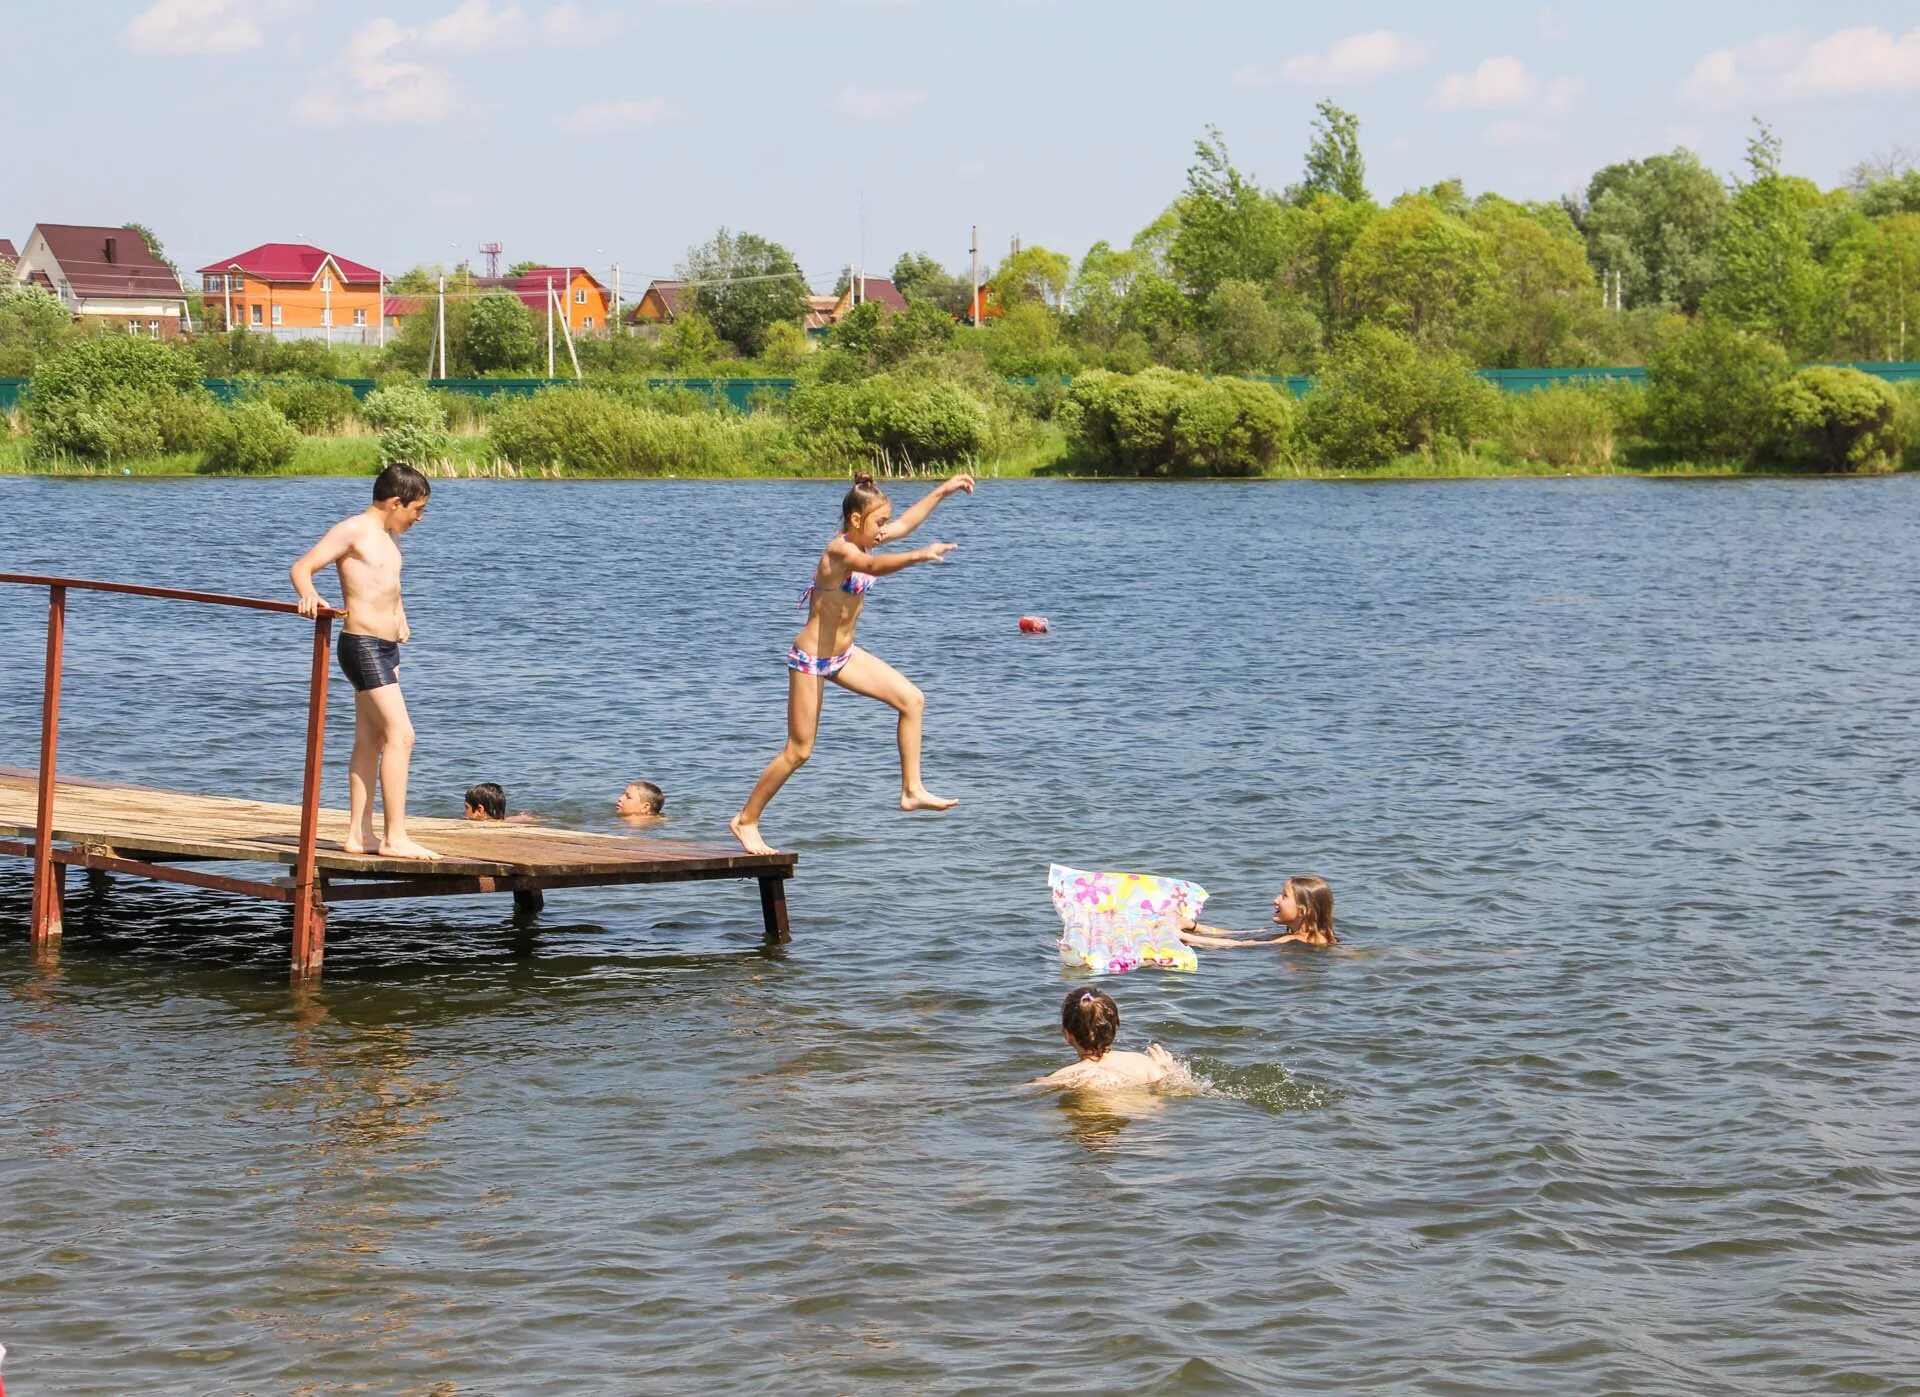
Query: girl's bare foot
(749, 836)
(924, 799)
(359, 843)
(404, 848)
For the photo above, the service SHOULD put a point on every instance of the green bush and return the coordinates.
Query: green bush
(908, 420)
(1568, 425)
(1162, 422)
(606, 434)
(411, 422)
(1381, 397)
(315, 406)
(251, 438)
(1710, 392)
(1836, 419)
(114, 397)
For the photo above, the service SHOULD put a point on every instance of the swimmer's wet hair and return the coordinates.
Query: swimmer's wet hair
(653, 793)
(1091, 1020)
(1316, 901)
(488, 799)
(862, 497)
(401, 482)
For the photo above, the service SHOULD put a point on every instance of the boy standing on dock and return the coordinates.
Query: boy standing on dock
(369, 561)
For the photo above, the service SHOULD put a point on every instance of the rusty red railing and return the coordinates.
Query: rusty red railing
(49, 863)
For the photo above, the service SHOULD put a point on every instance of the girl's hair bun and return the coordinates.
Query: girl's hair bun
(863, 478)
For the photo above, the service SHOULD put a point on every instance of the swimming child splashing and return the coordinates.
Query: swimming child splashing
(824, 649)
(1304, 906)
(1090, 1021)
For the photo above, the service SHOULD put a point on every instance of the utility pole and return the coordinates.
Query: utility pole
(440, 333)
(382, 322)
(549, 327)
(973, 302)
(616, 299)
(326, 306)
(226, 280)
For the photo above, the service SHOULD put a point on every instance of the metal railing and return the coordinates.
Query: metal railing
(48, 862)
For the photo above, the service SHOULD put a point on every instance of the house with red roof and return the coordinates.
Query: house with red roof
(295, 290)
(9, 254)
(587, 300)
(104, 274)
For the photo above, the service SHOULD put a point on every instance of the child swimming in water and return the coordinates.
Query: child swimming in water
(824, 649)
(488, 801)
(1090, 1020)
(1304, 907)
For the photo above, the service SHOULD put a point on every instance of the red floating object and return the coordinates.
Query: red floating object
(1034, 625)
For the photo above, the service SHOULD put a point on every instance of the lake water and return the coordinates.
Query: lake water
(1615, 1088)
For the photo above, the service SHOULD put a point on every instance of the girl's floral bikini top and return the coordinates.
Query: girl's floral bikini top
(857, 583)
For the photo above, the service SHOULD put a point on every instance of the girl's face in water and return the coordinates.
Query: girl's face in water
(1286, 911)
(863, 530)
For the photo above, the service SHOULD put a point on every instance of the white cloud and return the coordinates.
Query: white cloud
(570, 23)
(855, 101)
(622, 114)
(200, 26)
(473, 25)
(1860, 60)
(1728, 76)
(1356, 58)
(1498, 84)
(372, 83)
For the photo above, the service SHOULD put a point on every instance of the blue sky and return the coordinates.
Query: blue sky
(590, 132)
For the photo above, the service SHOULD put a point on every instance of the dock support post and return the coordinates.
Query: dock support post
(773, 910)
(47, 879)
(309, 912)
(527, 902)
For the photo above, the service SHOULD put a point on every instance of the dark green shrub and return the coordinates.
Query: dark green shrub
(1906, 424)
(1381, 397)
(411, 422)
(114, 397)
(1836, 419)
(1162, 422)
(250, 438)
(314, 406)
(1710, 392)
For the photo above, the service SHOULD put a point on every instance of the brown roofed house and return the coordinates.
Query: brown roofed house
(8, 256)
(104, 273)
(662, 303)
(870, 288)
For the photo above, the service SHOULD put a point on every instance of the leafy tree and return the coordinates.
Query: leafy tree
(1876, 279)
(1383, 395)
(1334, 162)
(1653, 221)
(411, 421)
(1318, 235)
(115, 397)
(1767, 278)
(1418, 269)
(250, 438)
(1895, 193)
(1710, 392)
(34, 324)
(499, 332)
(1026, 342)
(1836, 419)
(1033, 274)
(919, 277)
(787, 347)
(154, 246)
(519, 269)
(1098, 295)
(744, 285)
(1229, 228)
(1249, 332)
(1541, 293)
(691, 346)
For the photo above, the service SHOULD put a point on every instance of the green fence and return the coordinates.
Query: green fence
(739, 393)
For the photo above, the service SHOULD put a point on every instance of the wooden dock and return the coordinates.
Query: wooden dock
(63, 822)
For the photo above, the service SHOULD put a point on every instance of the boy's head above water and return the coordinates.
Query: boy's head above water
(1090, 1020)
(400, 493)
(486, 801)
(641, 798)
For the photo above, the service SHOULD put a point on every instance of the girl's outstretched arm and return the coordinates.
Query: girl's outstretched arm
(916, 514)
(885, 564)
(1225, 943)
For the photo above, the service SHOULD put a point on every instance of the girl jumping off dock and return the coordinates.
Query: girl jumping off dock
(824, 649)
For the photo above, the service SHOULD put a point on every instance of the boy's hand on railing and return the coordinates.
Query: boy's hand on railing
(311, 605)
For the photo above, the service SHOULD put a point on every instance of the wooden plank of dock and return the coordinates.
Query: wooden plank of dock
(116, 826)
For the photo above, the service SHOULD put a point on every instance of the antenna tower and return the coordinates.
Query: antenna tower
(492, 253)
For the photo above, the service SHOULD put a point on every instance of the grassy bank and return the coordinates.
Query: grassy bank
(1046, 458)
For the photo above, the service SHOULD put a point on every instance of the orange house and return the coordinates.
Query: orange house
(586, 299)
(294, 288)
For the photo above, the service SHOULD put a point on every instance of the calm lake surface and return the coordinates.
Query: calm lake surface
(1617, 783)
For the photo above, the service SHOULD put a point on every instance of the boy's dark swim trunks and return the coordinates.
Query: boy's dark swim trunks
(368, 661)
